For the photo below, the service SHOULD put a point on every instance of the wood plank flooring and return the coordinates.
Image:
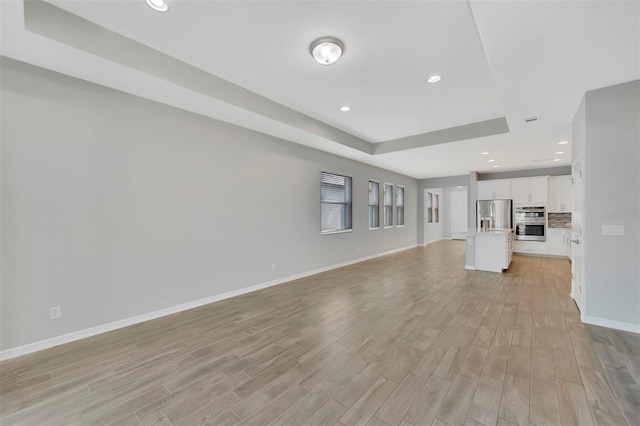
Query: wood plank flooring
(409, 339)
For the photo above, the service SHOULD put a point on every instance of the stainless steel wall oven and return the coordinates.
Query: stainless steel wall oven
(531, 223)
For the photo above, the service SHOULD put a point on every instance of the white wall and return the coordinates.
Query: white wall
(114, 206)
(607, 130)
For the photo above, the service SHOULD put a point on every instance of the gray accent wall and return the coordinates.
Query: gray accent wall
(607, 130)
(114, 206)
(549, 171)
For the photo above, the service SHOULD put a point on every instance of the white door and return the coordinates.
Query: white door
(577, 290)
(459, 215)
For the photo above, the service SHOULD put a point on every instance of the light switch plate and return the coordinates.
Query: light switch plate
(613, 230)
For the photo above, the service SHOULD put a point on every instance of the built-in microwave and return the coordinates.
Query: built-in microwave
(530, 223)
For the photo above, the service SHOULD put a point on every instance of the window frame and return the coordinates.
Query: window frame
(398, 207)
(384, 206)
(369, 205)
(348, 204)
(433, 207)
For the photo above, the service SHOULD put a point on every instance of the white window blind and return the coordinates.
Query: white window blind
(374, 204)
(335, 202)
(399, 206)
(388, 205)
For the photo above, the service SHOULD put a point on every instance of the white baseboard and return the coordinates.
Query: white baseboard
(435, 241)
(618, 325)
(92, 331)
(469, 268)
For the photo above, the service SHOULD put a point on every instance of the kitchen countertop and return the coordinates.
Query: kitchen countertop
(490, 231)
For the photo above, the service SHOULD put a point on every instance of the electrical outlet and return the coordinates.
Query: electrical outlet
(55, 312)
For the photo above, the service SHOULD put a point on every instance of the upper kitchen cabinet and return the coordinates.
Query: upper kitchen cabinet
(529, 190)
(498, 189)
(559, 194)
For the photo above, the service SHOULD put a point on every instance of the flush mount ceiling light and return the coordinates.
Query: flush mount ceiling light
(563, 143)
(484, 153)
(559, 152)
(326, 50)
(556, 159)
(434, 78)
(496, 165)
(159, 5)
(492, 161)
(345, 108)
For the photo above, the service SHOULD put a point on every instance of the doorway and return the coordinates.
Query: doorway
(577, 287)
(459, 215)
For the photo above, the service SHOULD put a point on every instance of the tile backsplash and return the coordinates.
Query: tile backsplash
(559, 220)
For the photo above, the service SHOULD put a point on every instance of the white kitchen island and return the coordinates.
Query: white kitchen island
(489, 250)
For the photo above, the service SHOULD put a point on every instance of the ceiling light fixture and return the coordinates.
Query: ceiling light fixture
(159, 5)
(434, 78)
(556, 159)
(496, 165)
(345, 108)
(559, 152)
(492, 161)
(563, 143)
(484, 153)
(326, 50)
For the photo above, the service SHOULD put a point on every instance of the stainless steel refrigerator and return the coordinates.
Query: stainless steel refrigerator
(494, 214)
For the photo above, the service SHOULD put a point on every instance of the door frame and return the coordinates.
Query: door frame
(464, 191)
(578, 289)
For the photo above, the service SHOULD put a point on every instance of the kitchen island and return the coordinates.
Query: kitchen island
(489, 250)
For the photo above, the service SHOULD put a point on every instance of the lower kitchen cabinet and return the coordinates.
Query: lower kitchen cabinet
(530, 247)
(556, 242)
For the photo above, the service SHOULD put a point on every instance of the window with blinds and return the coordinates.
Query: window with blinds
(399, 205)
(388, 205)
(335, 203)
(374, 204)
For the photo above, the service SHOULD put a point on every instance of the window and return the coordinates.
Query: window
(335, 203)
(399, 205)
(374, 204)
(433, 207)
(388, 205)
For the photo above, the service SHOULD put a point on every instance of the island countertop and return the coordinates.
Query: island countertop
(490, 231)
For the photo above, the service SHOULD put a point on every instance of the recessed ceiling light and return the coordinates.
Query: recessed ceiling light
(459, 187)
(345, 108)
(159, 5)
(559, 152)
(496, 165)
(434, 78)
(484, 153)
(492, 161)
(326, 50)
(556, 159)
(563, 143)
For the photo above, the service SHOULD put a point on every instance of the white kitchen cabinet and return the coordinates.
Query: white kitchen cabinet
(498, 189)
(529, 190)
(557, 242)
(492, 251)
(559, 194)
(530, 247)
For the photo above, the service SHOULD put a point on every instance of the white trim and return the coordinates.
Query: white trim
(469, 268)
(88, 332)
(435, 241)
(618, 325)
(339, 231)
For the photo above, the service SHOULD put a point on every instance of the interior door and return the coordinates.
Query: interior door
(577, 290)
(459, 215)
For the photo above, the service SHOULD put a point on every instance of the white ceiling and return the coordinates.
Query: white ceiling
(512, 59)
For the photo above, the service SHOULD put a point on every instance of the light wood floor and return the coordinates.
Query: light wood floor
(409, 339)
